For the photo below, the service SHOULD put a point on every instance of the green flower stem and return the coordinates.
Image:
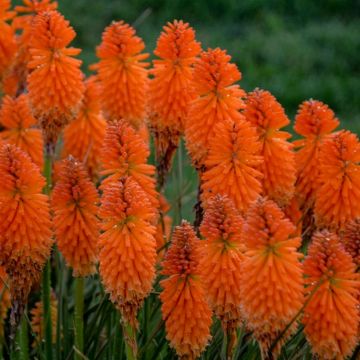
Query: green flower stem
(46, 279)
(23, 340)
(130, 342)
(79, 317)
(60, 289)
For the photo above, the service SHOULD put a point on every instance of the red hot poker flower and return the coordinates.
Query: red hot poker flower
(84, 136)
(171, 89)
(217, 100)
(22, 23)
(331, 316)
(16, 117)
(222, 255)
(272, 277)
(314, 121)
(8, 45)
(31, 7)
(338, 196)
(122, 74)
(233, 164)
(127, 246)
(185, 311)
(25, 226)
(268, 116)
(76, 226)
(125, 153)
(55, 83)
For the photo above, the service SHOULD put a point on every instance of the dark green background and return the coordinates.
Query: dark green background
(297, 49)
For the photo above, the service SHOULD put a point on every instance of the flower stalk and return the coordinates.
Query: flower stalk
(23, 340)
(130, 341)
(46, 279)
(79, 317)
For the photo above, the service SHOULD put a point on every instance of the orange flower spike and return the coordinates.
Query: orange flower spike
(22, 24)
(37, 320)
(18, 121)
(233, 164)
(26, 14)
(124, 153)
(171, 88)
(314, 121)
(331, 316)
(76, 226)
(7, 41)
(25, 226)
(221, 259)
(338, 196)
(84, 136)
(5, 301)
(122, 74)
(217, 99)
(184, 308)
(55, 82)
(33, 7)
(272, 276)
(268, 116)
(351, 240)
(127, 246)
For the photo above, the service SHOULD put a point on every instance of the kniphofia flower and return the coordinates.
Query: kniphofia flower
(25, 226)
(8, 45)
(29, 8)
(338, 195)
(125, 153)
(218, 99)
(127, 245)
(5, 301)
(272, 284)
(74, 201)
(19, 123)
(84, 136)
(122, 74)
(37, 320)
(268, 116)
(314, 121)
(184, 308)
(331, 315)
(222, 255)
(233, 166)
(351, 240)
(55, 82)
(171, 89)
(22, 23)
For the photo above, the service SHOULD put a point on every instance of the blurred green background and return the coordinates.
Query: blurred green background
(297, 49)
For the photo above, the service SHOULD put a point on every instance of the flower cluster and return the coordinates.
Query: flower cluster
(275, 246)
